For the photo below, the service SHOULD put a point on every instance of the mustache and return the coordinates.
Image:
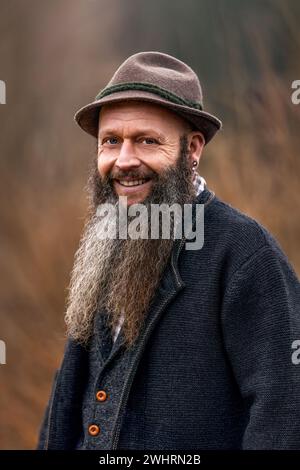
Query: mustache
(138, 174)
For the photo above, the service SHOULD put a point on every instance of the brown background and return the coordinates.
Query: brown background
(55, 57)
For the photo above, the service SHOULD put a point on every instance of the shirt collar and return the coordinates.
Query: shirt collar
(199, 183)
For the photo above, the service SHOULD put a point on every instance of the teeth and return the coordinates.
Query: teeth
(132, 183)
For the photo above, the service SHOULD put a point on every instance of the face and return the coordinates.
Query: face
(120, 276)
(145, 153)
(137, 141)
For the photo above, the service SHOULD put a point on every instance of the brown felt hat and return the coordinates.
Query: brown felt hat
(157, 78)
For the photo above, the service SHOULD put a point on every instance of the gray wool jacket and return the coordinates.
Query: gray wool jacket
(217, 363)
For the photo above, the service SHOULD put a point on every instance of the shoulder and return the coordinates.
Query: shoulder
(238, 235)
(236, 221)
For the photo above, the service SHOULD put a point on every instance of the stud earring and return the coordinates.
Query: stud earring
(195, 163)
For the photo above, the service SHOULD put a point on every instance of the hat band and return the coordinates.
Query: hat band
(150, 88)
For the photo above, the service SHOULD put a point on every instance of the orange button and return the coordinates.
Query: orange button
(101, 395)
(94, 430)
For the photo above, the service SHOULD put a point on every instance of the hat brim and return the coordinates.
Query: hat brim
(88, 116)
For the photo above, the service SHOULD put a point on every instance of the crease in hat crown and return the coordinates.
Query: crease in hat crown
(153, 77)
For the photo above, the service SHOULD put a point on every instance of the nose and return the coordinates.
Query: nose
(127, 158)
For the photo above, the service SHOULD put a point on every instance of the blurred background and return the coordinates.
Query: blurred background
(54, 58)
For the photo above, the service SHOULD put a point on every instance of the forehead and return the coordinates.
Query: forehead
(139, 114)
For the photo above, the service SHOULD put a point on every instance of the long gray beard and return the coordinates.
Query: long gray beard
(121, 276)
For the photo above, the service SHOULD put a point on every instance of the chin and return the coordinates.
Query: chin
(136, 200)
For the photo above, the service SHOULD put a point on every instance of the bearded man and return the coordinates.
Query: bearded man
(170, 348)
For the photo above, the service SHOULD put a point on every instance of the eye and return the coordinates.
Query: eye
(149, 140)
(110, 140)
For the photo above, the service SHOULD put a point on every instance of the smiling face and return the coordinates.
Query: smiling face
(137, 141)
(145, 152)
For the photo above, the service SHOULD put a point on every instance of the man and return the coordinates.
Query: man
(170, 348)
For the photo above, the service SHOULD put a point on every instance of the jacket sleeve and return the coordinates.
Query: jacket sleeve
(261, 332)
(43, 432)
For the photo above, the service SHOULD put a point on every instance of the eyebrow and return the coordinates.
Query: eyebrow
(144, 131)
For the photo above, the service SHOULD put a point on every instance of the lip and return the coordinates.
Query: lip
(131, 189)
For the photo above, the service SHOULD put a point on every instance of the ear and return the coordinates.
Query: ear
(196, 143)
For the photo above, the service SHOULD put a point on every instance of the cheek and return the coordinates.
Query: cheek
(104, 165)
(161, 160)
(154, 163)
